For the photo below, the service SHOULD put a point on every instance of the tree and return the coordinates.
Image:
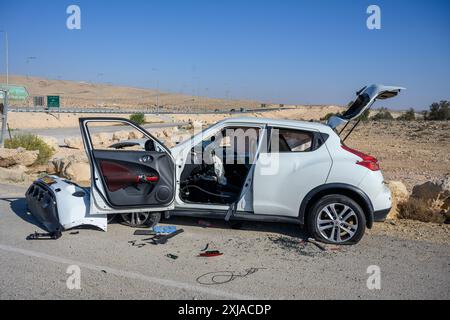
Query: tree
(439, 111)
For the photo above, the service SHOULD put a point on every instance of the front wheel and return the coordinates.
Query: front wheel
(336, 219)
(141, 219)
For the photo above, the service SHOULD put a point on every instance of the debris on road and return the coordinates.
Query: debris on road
(45, 236)
(162, 239)
(172, 256)
(164, 229)
(144, 233)
(211, 253)
(222, 277)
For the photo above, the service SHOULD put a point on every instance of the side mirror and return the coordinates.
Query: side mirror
(150, 145)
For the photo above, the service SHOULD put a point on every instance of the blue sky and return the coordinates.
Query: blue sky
(300, 52)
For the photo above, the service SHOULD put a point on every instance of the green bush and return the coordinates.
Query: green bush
(383, 114)
(439, 111)
(138, 118)
(31, 142)
(409, 115)
(365, 115)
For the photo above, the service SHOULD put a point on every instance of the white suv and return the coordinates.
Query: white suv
(239, 169)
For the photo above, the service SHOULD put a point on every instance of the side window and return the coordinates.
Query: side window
(115, 135)
(288, 140)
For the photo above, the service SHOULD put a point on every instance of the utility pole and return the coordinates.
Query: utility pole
(4, 115)
(6, 56)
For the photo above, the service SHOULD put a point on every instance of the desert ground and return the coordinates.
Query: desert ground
(411, 153)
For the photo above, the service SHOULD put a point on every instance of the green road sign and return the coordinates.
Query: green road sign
(52, 102)
(14, 92)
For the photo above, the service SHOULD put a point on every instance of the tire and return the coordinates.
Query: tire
(141, 219)
(348, 218)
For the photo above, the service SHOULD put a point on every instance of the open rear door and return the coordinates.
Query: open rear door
(365, 99)
(131, 171)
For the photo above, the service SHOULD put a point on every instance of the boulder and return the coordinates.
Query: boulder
(120, 135)
(431, 190)
(73, 168)
(399, 194)
(13, 174)
(135, 135)
(74, 143)
(101, 139)
(78, 171)
(51, 141)
(20, 156)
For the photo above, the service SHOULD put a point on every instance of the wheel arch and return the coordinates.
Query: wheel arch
(350, 191)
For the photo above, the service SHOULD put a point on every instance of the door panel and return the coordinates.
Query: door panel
(129, 181)
(128, 173)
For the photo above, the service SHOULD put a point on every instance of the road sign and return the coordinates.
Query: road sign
(14, 92)
(53, 102)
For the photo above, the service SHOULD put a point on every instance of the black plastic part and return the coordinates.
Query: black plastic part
(380, 216)
(42, 205)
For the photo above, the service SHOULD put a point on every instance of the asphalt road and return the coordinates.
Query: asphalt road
(62, 133)
(285, 269)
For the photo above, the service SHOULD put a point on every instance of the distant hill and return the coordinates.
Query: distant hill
(76, 94)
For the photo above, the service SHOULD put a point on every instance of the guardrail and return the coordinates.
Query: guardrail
(145, 111)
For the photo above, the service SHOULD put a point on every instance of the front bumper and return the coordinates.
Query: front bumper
(41, 203)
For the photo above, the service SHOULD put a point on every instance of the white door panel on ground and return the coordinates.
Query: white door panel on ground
(281, 192)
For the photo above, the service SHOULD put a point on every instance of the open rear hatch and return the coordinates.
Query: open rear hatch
(365, 98)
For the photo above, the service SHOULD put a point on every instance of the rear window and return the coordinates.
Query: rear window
(288, 140)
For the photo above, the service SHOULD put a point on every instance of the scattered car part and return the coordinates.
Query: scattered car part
(206, 247)
(164, 229)
(144, 233)
(172, 256)
(45, 236)
(162, 239)
(211, 253)
(60, 205)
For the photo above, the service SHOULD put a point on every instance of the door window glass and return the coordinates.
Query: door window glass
(288, 140)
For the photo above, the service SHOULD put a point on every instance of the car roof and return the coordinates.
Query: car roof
(280, 122)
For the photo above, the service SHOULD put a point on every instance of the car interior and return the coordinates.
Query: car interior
(216, 169)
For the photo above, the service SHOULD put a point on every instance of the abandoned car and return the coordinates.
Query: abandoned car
(238, 169)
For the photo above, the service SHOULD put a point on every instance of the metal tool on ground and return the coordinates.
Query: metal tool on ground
(162, 239)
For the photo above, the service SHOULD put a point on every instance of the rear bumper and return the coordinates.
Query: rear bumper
(380, 216)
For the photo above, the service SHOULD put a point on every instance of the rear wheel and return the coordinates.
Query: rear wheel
(337, 219)
(141, 219)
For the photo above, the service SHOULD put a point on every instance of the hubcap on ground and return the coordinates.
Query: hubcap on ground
(337, 222)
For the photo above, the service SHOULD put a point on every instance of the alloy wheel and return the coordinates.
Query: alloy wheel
(337, 222)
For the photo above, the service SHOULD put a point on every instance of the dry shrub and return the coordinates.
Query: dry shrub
(422, 210)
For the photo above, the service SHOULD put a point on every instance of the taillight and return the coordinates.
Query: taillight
(367, 161)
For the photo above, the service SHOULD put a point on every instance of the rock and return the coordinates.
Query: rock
(120, 135)
(13, 174)
(78, 171)
(431, 190)
(20, 156)
(135, 135)
(74, 143)
(73, 168)
(51, 141)
(101, 139)
(399, 194)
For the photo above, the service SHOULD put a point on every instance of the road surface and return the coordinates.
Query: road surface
(283, 268)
